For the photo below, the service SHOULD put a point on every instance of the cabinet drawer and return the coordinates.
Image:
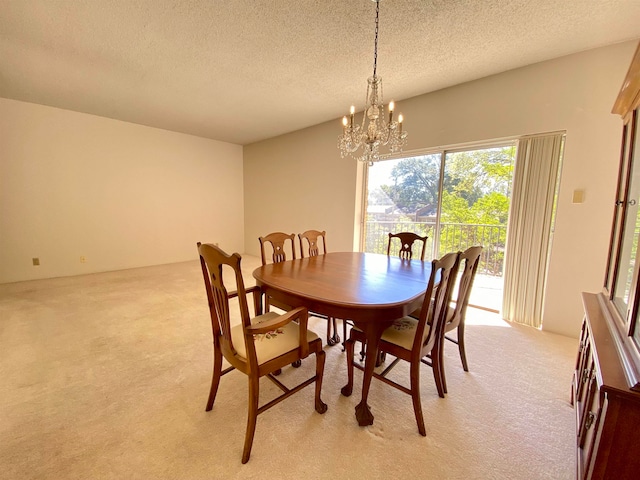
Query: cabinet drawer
(588, 410)
(587, 437)
(585, 390)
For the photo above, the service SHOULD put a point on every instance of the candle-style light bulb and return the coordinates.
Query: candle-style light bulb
(400, 118)
(391, 107)
(352, 113)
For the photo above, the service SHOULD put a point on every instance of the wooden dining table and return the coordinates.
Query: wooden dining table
(369, 289)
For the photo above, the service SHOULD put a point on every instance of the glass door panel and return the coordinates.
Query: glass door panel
(402, 196)
(629, 238)
(475, 208)
(621, 192)
(634, 218)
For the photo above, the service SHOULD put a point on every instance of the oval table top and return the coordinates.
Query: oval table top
(354, 285)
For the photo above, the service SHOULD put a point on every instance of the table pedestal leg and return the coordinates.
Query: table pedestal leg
(373, 332)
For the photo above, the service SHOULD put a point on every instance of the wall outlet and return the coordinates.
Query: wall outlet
(83, 259)
(36, 261)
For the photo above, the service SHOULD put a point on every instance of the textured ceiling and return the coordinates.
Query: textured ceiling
(245, 70)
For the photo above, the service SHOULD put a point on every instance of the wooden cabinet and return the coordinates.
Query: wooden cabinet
(606, 383)
(607, 409)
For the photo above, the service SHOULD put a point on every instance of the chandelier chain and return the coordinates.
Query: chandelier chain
(375, 45)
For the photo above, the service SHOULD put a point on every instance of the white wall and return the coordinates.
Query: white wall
(298, 181)
(120, 194)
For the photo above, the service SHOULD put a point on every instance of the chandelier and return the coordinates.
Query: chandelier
(375, 130)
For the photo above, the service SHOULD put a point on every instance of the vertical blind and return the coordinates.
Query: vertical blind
(529, 228)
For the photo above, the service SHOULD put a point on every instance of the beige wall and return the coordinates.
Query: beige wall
(298, 181)
(120, 194)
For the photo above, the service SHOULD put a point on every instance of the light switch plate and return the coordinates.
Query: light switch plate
(578, 196)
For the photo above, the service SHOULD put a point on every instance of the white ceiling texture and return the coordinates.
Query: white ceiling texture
(244, 70)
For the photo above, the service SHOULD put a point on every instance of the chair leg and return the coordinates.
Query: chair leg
(332, 338)
(380, 359)
(350, 347)
(436, 366)
(321, 407)
(344, 334)
(415, 396)
(463, 355)
(254, 394)
(215, 380)
(443, 377)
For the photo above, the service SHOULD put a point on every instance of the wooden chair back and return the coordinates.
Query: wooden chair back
(436, 302)
(467, 269)
(278, 241)
(213, 261)
(407, 240)
(312, 238)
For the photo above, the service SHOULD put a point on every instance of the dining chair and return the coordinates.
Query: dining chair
(279, 243)
(407, 239)
(257, 346)
(312, 240)
(467, 269)
(411, 339)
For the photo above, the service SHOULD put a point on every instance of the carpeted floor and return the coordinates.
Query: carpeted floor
(106, 376)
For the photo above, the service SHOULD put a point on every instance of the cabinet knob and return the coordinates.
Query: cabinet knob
(589, 421)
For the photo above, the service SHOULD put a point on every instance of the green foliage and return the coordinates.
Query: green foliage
(414, 183)
(491, 209)
(455, 209)
(475, 173)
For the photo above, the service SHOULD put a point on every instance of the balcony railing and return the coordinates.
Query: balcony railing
(451, 238)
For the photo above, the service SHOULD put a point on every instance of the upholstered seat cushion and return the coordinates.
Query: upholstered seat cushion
(272, 344)
(401, 332)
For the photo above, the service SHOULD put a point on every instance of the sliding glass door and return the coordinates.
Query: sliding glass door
(458, 198)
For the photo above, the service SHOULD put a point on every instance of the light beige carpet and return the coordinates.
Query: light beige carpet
(106, 376)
